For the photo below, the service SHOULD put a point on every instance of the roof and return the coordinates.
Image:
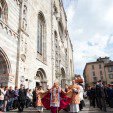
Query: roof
(109, 64)
(94, 62)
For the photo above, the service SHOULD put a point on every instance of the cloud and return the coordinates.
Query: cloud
(110, 40)
(90, 24)
(109, 16)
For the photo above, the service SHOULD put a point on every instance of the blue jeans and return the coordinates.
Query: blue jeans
(10, 103)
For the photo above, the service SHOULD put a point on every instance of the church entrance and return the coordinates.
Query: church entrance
(4, 69)
(41, 78)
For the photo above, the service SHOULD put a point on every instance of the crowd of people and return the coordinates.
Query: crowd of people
(70, 99)
(100, 95)
(14, 98)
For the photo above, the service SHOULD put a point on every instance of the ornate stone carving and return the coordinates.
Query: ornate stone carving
(8, 30)
(18, 2)
(24, 15)
(24, 24)
(23, 57)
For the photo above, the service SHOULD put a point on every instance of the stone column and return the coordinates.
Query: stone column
(22, 43)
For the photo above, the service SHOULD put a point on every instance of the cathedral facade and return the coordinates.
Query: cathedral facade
(35, 47)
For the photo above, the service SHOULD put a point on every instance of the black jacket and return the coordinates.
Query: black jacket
(22, 95)
(99, 91)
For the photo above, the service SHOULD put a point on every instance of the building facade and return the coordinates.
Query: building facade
(35, 46)
(109, 72)
(95, 71)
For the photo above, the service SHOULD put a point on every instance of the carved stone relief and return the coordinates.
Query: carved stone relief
(23, 57)
(24, 15)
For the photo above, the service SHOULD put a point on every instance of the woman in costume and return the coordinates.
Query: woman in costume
(39, 104)
(75, 100)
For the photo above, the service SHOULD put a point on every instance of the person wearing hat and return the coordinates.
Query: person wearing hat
(57, 99)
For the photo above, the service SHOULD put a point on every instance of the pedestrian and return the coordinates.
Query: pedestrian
(100, 95)
(89, 95)
(93, 97)
(28, 98)
(110, 96)
(6, 98)
(34, 97)
(38, 100)
(11, 94)
(21, 98)
(15, 103)
(1, 97)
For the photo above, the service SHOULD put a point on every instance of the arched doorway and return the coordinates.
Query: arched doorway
(63, 79)
(4, 68)
(41, 78)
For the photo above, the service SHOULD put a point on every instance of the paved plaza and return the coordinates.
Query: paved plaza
(86, 109)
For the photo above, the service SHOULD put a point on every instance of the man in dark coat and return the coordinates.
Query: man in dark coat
(21, 98)
(89, 95)
(110, 96)
(93, 98)
(100, 95)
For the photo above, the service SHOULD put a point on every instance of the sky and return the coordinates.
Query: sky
(90, 25)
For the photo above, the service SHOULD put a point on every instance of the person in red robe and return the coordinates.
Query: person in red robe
(56, 98)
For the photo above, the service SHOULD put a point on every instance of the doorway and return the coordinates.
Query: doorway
(4, 68)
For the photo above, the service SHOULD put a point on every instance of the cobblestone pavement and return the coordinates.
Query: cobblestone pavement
(86, 109)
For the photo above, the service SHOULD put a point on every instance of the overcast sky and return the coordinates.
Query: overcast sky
(90, 25)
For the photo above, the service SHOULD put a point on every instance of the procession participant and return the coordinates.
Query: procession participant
(57, 99)
(75, 99)
(79, 80)
(66, 90)
(39, 104)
